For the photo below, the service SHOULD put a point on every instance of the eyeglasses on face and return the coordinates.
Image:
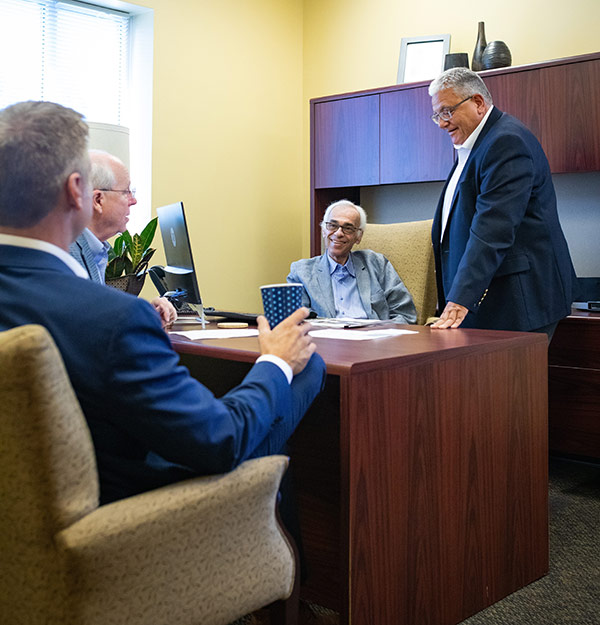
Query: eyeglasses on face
(127, 192)
(332, 226)
(446, 113)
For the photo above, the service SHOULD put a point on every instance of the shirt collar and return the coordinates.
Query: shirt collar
(333, 265)
(470, 140)
(44, 246)
(96, 246)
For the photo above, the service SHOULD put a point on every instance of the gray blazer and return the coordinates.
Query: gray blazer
(382, 292)
(81, 252)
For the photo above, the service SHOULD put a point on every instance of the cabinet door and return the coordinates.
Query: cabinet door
(346, 142)
(571, 100)
(413, 148)
(519, 94)
(559, 104)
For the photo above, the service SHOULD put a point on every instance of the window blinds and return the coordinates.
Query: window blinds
(67, 52)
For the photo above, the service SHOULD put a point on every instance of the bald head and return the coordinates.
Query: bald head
(112, 197)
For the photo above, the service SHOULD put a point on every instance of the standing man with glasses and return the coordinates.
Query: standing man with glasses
(502, 261)
(342, 283)
(112, 199)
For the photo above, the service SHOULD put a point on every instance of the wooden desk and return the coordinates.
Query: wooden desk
(421, 470)
(574, 385)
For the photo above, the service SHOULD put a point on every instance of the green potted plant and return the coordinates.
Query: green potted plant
(128, 259)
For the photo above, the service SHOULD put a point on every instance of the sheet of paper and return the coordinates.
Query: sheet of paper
(194, 335)
(352, 335)
(343, 322)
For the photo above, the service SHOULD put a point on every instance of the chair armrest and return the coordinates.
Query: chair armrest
(206, 550)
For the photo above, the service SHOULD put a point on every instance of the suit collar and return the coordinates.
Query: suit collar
(363, 282)
(50, 250)
(495, 115)
(32, 259)
(324, 281)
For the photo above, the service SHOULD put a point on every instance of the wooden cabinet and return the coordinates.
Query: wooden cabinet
(385, 136)
(407, 129)
(347, 152)
(574, 386)
(559, 103)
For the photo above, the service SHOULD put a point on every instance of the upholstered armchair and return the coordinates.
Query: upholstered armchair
(201, 552)
(408, 247)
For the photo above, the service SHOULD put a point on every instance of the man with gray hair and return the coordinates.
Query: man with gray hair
(151, 423)
(502, 261)
(342, 283)
(112, 198)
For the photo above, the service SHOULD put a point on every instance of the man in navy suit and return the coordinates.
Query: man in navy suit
(150, 421)
(502, 261)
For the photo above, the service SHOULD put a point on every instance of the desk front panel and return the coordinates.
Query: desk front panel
(421, 475)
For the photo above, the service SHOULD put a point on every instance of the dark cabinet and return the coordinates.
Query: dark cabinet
(574, 386)
(560, 104)
(385, 136)
(413, 148)
(346, 145)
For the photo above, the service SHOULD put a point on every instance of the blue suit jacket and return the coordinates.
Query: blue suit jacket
(382, 292)
(150, 421)
(81, 252)
(504, 255)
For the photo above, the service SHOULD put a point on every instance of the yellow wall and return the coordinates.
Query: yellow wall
(232, 81)
(227, 138)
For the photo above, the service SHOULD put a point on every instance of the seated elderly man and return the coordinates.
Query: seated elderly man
(358, 285)
(112, 199)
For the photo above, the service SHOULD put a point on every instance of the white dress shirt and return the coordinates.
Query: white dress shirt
(463, 152)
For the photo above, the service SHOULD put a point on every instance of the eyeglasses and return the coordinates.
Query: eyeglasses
(127, 192)
(446, 113)
(332, 226)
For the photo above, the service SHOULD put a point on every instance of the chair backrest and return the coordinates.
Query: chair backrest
(48, 475)
(408, 247)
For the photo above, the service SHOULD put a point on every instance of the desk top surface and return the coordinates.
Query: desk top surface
(344, 357)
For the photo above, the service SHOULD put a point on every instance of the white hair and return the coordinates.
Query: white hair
(463, 82)
(359, 209)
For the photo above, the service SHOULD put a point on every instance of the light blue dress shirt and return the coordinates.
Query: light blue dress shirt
(345, 290)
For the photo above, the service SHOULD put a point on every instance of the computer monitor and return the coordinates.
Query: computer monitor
(179, 274)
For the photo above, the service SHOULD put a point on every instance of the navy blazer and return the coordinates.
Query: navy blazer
(503, 255)
(150, 421)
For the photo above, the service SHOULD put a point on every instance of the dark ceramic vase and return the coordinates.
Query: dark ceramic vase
(496, 54)
(476, 65)
(456, 59)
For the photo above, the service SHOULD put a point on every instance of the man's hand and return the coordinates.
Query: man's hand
(452, 317)
(288, 340)
(166, 310)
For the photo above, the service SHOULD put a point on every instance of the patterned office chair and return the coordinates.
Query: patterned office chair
(408, 247)
(201, 552)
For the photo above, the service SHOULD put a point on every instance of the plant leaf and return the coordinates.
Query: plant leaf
(147, 234)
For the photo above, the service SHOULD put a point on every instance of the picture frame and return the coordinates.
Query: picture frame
(422, 58)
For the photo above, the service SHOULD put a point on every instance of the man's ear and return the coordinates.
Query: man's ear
(97, 200)
(359, 237)
(480, 102)
(76, 190)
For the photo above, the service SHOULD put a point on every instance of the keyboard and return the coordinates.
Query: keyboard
(186, 309)
(232, 316)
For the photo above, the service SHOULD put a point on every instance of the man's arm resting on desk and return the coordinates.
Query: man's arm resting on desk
(155, 400)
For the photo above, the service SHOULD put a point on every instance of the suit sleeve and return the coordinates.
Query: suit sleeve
(178, 417)
(399, 300)
(507, 176)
